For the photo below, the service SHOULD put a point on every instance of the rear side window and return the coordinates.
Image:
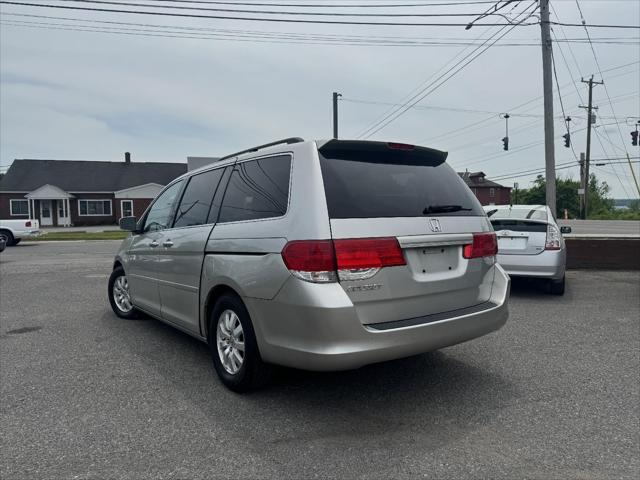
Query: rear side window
(257, 189)
(519, 226)
(375, 184)
(196, 200)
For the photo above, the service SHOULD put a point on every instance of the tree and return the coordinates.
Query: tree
(567, 196)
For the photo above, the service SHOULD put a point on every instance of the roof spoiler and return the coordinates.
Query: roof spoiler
(368, 151)
(285, 141)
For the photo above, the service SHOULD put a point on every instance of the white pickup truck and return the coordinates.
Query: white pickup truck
(15, 230)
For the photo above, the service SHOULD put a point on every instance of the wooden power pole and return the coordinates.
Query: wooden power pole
(547, 86)
(590, 121)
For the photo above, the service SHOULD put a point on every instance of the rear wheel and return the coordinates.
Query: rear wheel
(557, 286)
(8, 237)
(233, 346)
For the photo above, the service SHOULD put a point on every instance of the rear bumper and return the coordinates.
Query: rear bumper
(315, 327)
(27, 233)
(548, 264)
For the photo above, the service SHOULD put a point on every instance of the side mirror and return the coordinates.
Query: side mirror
(130, 224)
(565, 229)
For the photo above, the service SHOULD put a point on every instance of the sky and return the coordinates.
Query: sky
(87, 95)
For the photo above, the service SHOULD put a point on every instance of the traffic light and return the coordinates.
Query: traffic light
(567, 139)
(634, 138)
(505, 143)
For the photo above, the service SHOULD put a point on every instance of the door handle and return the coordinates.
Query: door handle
(167, 244)
(154, 244)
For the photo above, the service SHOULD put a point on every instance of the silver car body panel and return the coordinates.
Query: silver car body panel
(437, 299)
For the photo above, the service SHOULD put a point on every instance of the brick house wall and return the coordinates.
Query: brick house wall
(77, 220)
(502, 196)
(139, 206)
(5, 206)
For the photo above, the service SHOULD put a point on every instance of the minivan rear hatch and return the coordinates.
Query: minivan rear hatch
(409, 195)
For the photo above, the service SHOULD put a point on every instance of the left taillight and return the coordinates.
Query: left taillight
(483, 245)
(322, 261)
(27, 224)
(553, 238)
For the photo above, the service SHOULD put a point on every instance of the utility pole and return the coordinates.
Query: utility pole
(335, 114)
(590, 121)
(547, 86)
(581, 195)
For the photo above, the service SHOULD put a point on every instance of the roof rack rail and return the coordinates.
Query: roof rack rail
(260, 147)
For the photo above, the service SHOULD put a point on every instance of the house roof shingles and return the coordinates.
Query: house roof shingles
(472, 179)
(87, 176)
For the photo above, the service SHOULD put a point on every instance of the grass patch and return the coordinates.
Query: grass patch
(110, 235)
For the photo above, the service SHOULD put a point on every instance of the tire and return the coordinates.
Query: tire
(119, 296)
(16, 241)
(250, 372)
(557, 286)
(8, 236)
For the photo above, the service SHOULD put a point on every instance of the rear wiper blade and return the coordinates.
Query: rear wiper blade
(444, 209)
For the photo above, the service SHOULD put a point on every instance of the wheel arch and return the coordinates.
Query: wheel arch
(212, 297)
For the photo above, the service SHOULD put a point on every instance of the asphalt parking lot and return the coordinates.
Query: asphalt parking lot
(554, 394)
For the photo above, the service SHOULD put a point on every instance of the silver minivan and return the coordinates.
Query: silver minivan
(320, 255)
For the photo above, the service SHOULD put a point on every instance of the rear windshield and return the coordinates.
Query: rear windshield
(533, 213)
(376, 184)
(518, 226)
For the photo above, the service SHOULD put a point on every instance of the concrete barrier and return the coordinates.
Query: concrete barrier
(598, 252)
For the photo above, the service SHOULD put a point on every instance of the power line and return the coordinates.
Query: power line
(423, 93)
(253, 19)
(278, 12)
(333, 5)
(592, 25)
(575, 86)
(606, 90)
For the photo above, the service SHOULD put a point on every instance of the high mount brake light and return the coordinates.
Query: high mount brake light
(483, 245)
(401, 146)
(346, 259)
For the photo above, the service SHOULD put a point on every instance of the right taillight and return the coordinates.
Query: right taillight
(553, 238)
(483, 245)
(324, 261)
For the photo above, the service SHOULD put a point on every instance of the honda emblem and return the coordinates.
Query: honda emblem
(434, 225)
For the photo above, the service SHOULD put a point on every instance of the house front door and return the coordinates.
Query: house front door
(63, 213)
(46, 217)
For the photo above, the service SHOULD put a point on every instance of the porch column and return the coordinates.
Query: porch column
(67, 214)
(29, 207)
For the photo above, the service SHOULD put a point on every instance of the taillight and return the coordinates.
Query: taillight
(484, 245)
(27, 224)
(324, 261)
(553, 238)
(360, 258)
(311, 260)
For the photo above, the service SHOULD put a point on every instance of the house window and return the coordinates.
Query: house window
(19, 207)
(127, 208)
(88, 208)
(492, 192)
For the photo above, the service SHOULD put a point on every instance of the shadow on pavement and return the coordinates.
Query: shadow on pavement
(435, 387)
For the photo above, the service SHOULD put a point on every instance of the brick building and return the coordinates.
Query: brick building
(487, 191)
(81, 193)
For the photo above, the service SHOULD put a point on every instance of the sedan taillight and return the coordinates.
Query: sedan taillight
(553, 238)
